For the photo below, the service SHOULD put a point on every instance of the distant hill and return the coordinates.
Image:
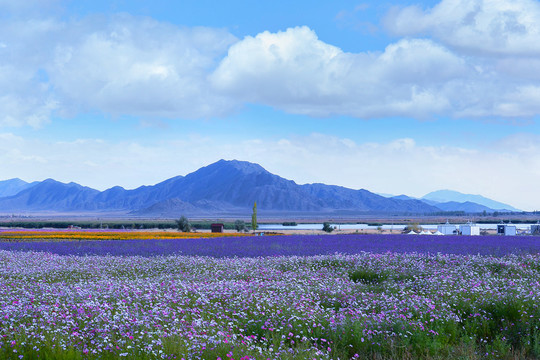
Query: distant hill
(463, 202)
(233, 185)
(402, 197)
(13, 186)
(444, 196)
(468, 207)
(228, 187)
(51, 195)
(222, 187)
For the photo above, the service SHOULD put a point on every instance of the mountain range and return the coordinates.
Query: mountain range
(224, 187)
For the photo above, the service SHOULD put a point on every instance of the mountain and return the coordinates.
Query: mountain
(234, 185)
(402, 197)
(468, 207)
(13, 186)
(224, 187)
(443, 196)
(51, 195)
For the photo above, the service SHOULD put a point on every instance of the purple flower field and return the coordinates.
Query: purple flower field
(294, 297)
(299, 245)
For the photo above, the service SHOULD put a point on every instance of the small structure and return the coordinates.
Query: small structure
(447, 229)
(425, 232)
(507, 230)
(469, 229)
(217, 228)
(535, 229)
(438, 233)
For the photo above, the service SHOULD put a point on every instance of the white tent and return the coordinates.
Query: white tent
(425, 232)
(438, 233)
(411, 233)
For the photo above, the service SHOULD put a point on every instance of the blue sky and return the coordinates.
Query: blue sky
(391, 96)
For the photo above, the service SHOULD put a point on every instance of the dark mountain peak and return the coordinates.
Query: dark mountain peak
(167, 182)
(58, 184)
(245, 167)
(54, 185)
(115, 190)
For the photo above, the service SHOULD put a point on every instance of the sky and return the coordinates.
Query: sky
(396, 97)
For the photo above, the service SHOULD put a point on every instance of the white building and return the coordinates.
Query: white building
(447, 229)
(469, 229)
(507, 230)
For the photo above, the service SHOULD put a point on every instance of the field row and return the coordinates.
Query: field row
(391, 305)
(74, 235)
(297, 245)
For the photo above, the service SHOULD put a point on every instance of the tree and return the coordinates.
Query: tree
(254, 217)
(412, 227)
(327, 227)
(240, 225)
(183, 224)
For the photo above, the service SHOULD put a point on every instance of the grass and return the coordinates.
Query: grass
(368, 276)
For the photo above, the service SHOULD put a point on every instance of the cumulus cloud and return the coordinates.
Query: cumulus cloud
(295, 71)
(140, 67)
(119, 65)
(370, 165)
(124, 65)
(25, 97)
(493, 27)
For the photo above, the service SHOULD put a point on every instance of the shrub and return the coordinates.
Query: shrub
(327, 227)
(183, 224)
(240, 225)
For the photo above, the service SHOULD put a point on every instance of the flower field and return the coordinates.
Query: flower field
(281, 297)
(76, 235)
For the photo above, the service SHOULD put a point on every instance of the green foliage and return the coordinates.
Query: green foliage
(111, 224)
(254, 217)
(367, 276)
(239, 225)
(450, 213)
(183, 224)
(412, 227)
(327, 227)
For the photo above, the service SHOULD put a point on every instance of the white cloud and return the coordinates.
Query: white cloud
(399, 166)
(295, 71)
(118, 65)
(125, 65)
(140, 67)
(23, 98)
(499, 27)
